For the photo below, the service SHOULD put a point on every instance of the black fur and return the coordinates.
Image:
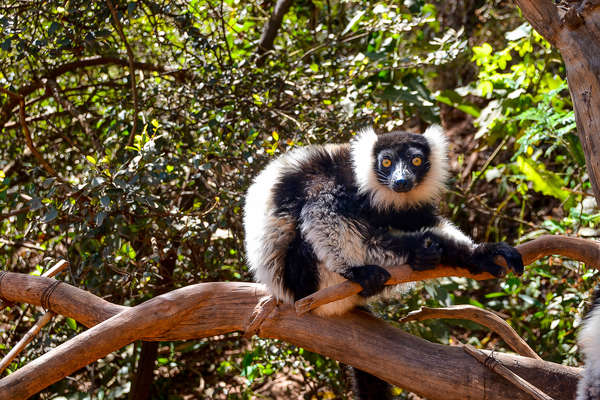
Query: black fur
(369, 387)
(401, 148)
(300, 274)
(371, 277)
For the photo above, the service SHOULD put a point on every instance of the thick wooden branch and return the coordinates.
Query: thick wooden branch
(209, 309)
(586, 251)
(492, 363)
(480, 316)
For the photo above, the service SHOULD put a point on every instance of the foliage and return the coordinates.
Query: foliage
(138, 213)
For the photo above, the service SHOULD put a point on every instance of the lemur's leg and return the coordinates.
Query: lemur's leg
(458, 250)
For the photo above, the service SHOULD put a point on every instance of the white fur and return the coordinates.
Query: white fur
(449, 230)
(430, 189)
(267, 235)
(589, 342)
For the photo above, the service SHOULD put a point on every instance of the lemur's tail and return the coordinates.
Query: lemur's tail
(589, 343)
(369, 387)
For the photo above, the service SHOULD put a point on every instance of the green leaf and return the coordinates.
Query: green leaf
(91, 159)
(545, 182)
(72, 323)
(451, 98)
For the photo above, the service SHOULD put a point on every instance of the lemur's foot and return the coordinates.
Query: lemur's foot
(484, 254)
(426, 252)
(372, 278)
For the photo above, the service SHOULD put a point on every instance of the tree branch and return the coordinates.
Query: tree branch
(480, 316)
(136, 106)
(543, 16)
(52, 86)
(586, 251)
(209, 309)
(7, 107)
(489, 361)
(270, 30)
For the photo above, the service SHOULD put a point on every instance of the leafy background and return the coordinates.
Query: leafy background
(148, 170)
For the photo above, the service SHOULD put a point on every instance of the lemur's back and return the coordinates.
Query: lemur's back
(273, 209)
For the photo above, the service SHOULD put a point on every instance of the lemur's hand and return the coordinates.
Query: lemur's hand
(425, 252)
(372, 278)
(484, 254)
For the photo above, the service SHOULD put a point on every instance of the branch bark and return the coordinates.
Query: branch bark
(270, 30)
(131, 62)
(209, 309)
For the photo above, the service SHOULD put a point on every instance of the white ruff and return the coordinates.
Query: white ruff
(383, 197)
(589, 342)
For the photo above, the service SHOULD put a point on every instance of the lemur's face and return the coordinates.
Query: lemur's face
(401, 160)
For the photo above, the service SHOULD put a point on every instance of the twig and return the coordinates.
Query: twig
(19, 99)
(37, 327)
(495, 365)
(52, 86)
(486, 164)
(480, 316)
(30, 144)
(586, 251)
(14, 212)
(25, 340)
(136, 106)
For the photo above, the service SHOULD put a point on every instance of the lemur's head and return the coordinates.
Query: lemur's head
(400, 169)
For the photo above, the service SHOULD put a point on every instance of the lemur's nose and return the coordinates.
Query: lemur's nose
(402, 185)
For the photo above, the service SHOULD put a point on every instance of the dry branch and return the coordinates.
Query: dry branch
(131, 60)
(586, 251)
(492, 363)
(480, 316)
(28, 337)
(216, 308)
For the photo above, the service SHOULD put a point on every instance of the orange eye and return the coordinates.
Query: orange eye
(386, 162)
(417, 161)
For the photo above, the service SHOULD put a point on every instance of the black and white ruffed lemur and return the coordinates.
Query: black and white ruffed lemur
(318, 215)
(589, 343)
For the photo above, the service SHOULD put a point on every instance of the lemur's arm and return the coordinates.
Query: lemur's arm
(458, 250)
(347, 245)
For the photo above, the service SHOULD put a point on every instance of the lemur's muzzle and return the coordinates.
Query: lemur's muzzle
(402, 180)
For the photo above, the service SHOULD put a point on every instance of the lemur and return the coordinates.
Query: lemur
(317, 215)
(589, 343)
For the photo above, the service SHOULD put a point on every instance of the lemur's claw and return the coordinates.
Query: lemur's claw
(485, 253)
(372, 278)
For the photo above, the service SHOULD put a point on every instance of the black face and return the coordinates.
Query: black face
(401, 160)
